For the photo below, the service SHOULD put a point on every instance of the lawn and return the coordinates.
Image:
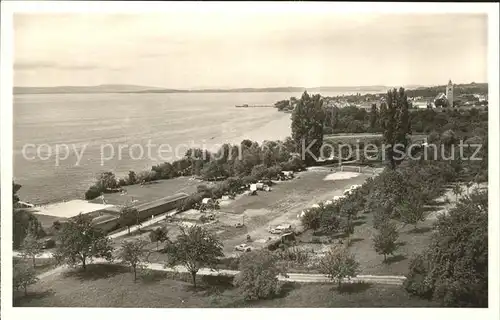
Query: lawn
(353, 138)
(410, 242)
(113, 286)
(41, 264)
(150, 192)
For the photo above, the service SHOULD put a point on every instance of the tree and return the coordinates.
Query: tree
(411, 212)
(373, 117)
(128, 214)
(23, 276)
(132, 177)
(348, 211)
(135, 254)
(395, 125)
(468, 185)
(385, 241)
(81, 242)
(106, 181)
(213, 170)
(158, 235)
(311, 218)
(307, 126)
(15, 189)
(31, 247)
(453, 270)
(283, 104)
(338, 264)
(457, 190)
(258, 277)
(194, 248)
(23, 223)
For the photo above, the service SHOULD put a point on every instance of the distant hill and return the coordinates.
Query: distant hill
(105, 88)
(273, 89)
(122, 88)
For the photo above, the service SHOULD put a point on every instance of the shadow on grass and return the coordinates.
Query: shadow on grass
(286, 288)
(359, 223)
(357, 287)
(153, 276)
(354, 240)
(96, 272)
(20, 298)
(420, 230)
(401, 244)
(396, 258)
(433, 208)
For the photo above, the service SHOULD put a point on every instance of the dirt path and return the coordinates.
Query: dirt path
(290, 277)
(284, 204)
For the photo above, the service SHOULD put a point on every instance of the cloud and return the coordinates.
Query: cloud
(36, 65)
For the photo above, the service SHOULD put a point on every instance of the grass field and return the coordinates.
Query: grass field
(153, 191)
(41, 264)
(113, 286)
(353, 138)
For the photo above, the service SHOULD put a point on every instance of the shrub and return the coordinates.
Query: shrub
(258, 275)
(311, 218)
(93, 192)
(50, 243)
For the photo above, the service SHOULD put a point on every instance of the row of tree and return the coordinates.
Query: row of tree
(249, 159)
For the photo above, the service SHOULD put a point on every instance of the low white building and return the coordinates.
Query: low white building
(420, 104)
(207, 201)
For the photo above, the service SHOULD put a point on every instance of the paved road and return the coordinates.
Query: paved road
(291, 277)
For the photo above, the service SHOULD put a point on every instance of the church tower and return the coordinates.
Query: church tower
(449, 93)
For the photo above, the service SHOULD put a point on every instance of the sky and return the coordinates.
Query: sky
(218, 50)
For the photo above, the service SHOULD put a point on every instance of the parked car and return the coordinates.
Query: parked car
(275, 231)
(243, 247)
(48, 244)
(281, 228)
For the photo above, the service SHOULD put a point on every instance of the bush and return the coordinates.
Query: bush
(316, 240)
(93, 192)
(50, 243)
(231, 263)
(258, 275)
(218, 280)
(311, 218)
(122, 182)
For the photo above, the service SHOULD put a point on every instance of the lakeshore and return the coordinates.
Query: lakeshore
(79, 121)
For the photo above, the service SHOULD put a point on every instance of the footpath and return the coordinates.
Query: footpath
(290, 277)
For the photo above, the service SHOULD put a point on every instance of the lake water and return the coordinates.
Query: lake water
(91, 127)
(95, 125)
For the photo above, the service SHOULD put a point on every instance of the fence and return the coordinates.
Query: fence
(358, 169)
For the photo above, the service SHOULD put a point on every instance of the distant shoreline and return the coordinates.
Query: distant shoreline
(129, 90)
